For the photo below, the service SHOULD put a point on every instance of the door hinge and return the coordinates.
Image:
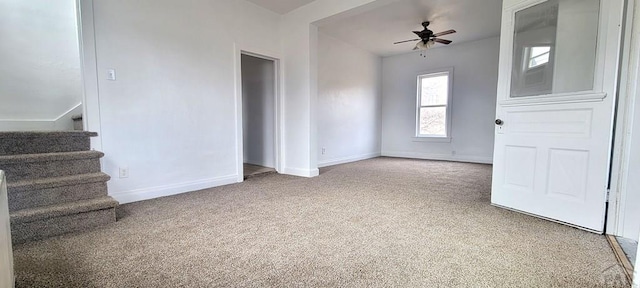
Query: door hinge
(608, 194)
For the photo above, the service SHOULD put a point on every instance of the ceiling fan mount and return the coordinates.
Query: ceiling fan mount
(428, 38)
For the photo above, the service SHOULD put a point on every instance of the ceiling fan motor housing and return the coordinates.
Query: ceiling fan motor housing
(425, 34)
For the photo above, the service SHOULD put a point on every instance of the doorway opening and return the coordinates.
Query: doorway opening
(259, 117)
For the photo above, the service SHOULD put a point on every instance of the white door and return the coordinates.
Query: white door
(556, 95)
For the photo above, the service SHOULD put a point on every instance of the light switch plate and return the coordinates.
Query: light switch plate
(111, 74)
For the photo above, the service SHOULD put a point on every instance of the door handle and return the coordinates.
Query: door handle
(499, 122)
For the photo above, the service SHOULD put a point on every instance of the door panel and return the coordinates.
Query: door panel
(563, 123)
(520, 167)
(552, 161)
(567, 174)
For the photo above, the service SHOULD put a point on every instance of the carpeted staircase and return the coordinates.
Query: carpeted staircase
(54, 184)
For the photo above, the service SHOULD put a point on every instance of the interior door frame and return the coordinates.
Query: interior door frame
(608, 63)
(239, 50)
(89, 71)
(627, 106)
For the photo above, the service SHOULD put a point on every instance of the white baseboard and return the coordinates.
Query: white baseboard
(173, 189)
(308, 173)
(445, 157)
(349, 159)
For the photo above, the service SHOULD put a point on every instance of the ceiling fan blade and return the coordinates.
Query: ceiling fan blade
(445, 42)
(406, 41)
(444, 33)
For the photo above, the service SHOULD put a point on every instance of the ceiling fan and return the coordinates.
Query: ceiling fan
(428, 38)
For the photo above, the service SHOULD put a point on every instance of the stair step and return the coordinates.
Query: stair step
(15, 143)
(51, 191)
(43, 222)
(40, 213)
(47, 165)
(40, 223)
(38, 230)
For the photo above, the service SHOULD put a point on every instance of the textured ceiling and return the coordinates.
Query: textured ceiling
(376, 30)
(281, 6)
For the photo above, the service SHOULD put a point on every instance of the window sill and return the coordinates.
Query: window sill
(432, 139)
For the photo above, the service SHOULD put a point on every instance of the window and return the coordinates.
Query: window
(538, 56)
(434, 95)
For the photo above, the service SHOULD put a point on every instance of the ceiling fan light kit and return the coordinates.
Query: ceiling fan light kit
(424, 46)
(428, 39)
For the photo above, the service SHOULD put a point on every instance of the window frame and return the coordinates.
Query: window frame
(431, 137)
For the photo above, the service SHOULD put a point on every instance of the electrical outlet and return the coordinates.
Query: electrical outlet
(453, 153)
(324, 150)
(124, 172)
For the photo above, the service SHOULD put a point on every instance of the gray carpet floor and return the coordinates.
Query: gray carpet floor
(377, 223)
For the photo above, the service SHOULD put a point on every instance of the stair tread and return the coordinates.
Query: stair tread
(32, 134)
(55, 156)
(39, 213)
(53, 182)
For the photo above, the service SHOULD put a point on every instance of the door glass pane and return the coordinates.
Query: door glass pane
(433, 121)
(555, 48)
(435, 90)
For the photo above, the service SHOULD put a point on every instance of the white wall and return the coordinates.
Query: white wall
(349, 102)
(475, 80)
(631, 201)
(40, 71)
(170, 116)
(63, 122)
(299, 48)
(258, 111)
(300, 96)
